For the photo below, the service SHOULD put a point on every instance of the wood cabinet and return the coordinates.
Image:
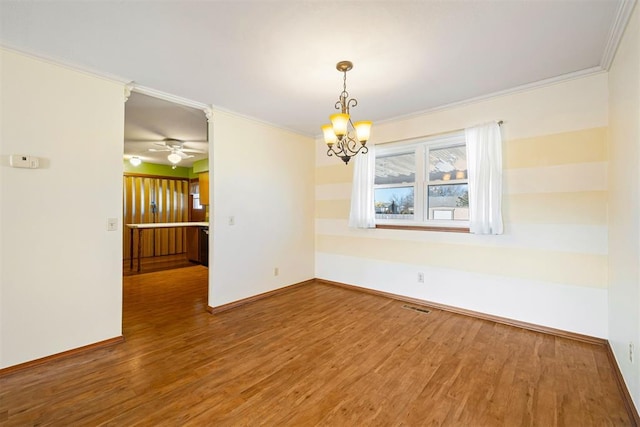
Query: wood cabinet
(198, 245)
(203, 180)
(193, 244)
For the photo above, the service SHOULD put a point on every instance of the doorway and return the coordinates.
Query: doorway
(166, 152)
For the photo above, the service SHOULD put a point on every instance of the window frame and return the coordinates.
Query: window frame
(421, 148)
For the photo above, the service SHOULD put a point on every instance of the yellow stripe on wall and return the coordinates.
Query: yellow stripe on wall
(589, 270)
(569, 178)
(579, 208)
(586, 207)
(334, 174)
(582, 146)
(334, 191)
(333, 208)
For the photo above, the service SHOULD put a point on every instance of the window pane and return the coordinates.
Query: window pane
(448, 163)
(394, 203)
(396, 169)
(196, 202)
(449, 201)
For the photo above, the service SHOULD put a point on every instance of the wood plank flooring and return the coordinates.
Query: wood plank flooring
(316, 355)
(156, 263)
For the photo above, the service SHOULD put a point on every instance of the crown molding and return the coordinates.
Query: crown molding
(623, 14)
(260, 121)
(130, 86)
(170, 98)
(127, 91)
(522, 88)
(209, 110)
(67, 65)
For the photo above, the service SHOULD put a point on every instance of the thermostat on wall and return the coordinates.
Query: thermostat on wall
(23, 161)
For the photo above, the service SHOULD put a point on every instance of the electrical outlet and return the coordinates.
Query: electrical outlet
(631, 352)
(276, 271)
(232, 220)
(420, 277)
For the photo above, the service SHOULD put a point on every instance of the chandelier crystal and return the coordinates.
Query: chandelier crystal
(344, 138)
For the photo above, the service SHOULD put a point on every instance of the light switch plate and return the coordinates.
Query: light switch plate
(112, 224)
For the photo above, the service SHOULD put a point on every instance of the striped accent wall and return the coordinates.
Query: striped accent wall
(548, 268)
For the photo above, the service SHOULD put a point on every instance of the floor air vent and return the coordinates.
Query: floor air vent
(420, 309)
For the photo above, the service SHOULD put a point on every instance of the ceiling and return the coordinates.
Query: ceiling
(275, 60)
(150, 122)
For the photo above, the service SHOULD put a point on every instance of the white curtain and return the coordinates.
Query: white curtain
(363, 214)
(484, 171)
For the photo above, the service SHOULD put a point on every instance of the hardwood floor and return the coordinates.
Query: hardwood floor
(316, 355)
(156, 263)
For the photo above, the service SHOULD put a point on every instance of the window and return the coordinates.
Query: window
(195, 192)
(395, 186)
(423, 183)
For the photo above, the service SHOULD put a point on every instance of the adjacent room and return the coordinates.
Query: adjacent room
(320, 213)
(166, 170)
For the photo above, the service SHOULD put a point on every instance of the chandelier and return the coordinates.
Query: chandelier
(344, 138)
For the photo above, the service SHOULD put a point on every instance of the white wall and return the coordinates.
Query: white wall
(263, 177)
(550, 266)
(624, 205)
(60, 269)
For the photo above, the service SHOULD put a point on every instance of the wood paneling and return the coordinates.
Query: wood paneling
(313, 355)
(155, 199)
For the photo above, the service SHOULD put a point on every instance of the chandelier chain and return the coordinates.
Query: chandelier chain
(344, 85)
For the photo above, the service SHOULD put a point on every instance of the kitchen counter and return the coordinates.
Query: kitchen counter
(155, 225)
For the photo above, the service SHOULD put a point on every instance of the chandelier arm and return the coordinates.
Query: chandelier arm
(332, 150)
(346, 152)
(343, 102)
(351, 145)
(344, 146)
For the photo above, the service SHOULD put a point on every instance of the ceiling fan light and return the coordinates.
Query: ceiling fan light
(174, 158)
(135, 161)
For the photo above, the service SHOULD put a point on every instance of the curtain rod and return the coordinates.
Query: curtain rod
(431, 135)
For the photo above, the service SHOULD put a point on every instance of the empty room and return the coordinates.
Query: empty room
(320, 213)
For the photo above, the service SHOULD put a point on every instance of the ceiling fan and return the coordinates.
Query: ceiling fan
(176, 149)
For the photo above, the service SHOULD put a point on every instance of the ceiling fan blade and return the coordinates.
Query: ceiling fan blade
(159, 149)
(191, 150)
